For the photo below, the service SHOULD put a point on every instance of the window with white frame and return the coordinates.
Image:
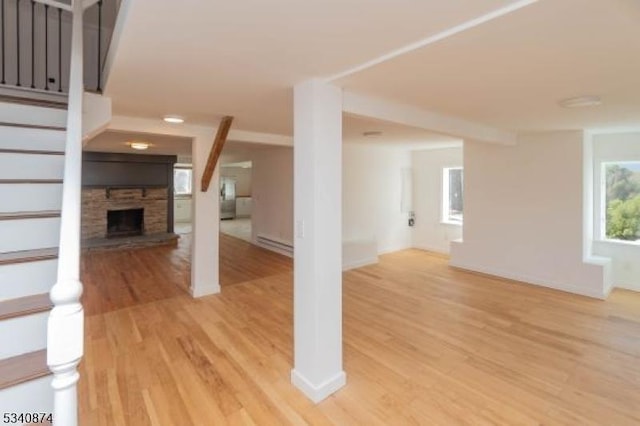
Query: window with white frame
(452, 195)
(182, 177)
(621, 200)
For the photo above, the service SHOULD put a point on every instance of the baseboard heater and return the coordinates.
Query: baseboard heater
(276, 245)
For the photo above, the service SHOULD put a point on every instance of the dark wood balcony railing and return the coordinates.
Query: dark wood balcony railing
(35, 43)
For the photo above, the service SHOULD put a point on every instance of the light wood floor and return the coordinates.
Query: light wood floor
(423, 344)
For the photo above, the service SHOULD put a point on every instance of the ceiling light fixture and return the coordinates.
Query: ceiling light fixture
(372, 133)
(581, 102)
(140, 146)
(173, 119)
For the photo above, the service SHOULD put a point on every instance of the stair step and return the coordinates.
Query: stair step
(29, 181)
(26, 333)
(32, 126)
(27, 279)
(33, 197)
(29, 137)
(33, 396)
(33, 102)
(29, 151)
(28, 256)
(31, 166)
(28, 305)
(36, 97)
(23, 368)
(40, 116)
(29, 215)
(19, 235)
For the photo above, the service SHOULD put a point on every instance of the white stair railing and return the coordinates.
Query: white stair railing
(65, 334)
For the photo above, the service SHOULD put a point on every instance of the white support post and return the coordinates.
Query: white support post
(65, 338)
(206, 222)
(318, 240)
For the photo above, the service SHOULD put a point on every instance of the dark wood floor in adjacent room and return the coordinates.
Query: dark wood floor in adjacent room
(423, 344)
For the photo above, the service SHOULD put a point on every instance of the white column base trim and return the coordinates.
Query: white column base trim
(205, 290)
(317, 393)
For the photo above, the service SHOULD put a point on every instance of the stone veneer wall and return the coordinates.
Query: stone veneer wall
(95, 205)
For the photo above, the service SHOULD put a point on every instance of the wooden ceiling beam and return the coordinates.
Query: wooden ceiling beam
(216, 150)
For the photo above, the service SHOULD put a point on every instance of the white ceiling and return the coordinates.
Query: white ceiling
(114, 141)
(393, 135)
(511, 72)
(207, 59)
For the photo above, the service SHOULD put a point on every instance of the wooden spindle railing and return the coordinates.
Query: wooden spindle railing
(4, 43)
(33, 44)
(99, 76)
(18, 42)
(34, 59)
(46, 47)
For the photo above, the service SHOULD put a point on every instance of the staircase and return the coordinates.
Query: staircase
(31, 170)
(43, 119)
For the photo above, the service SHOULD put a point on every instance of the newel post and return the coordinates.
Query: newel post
(65, 331)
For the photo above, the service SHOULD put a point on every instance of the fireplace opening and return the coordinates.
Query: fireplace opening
(125, 223)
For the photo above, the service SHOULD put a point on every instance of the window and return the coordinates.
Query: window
(452, 195)
(621, 193)
(182, 177)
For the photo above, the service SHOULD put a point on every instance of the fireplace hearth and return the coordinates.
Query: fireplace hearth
(125, 223)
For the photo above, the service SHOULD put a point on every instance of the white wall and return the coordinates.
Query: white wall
(523, 213)
(371, 200)
(182, 210)
(242, 177)
(429, 233)
(625, 256)
(372, 221)
(272, 193)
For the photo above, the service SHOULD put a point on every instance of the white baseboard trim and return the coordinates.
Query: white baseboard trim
(204, 290)
(273, 249)
(625, 286)
(433, 249)
(353, 264)
(317, 393)
(393, 249)
(555, 285)
(276, 245)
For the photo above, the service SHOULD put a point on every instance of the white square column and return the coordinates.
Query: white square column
(205, 216)
(318, 239)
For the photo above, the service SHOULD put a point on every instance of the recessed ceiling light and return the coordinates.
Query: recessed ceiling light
(581, 102)
(372, 133)
(174, 119)
(141, 146)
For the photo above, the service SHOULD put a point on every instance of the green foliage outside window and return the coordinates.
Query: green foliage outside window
(623, 201)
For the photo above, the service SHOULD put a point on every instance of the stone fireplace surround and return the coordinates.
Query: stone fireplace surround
(96, 202)
(118, 181)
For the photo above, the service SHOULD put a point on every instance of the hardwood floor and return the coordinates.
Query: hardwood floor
(423, 344)
(241, 262)
(116, 279)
